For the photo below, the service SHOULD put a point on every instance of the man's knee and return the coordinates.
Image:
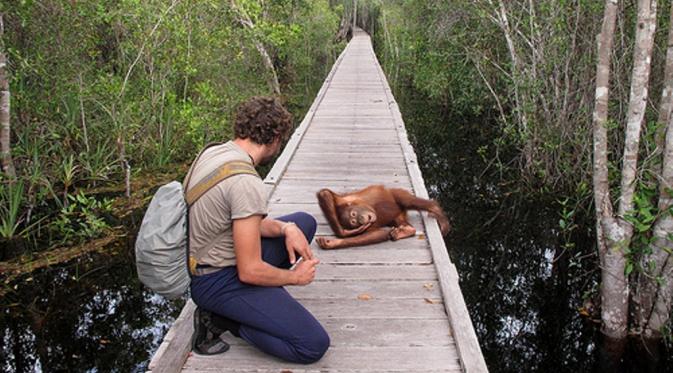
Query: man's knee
(314, 347)
(306, 223)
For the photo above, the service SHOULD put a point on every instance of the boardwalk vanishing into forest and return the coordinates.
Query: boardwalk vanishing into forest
(389, 307)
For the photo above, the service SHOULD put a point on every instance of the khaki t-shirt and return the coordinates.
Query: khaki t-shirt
(210, 218)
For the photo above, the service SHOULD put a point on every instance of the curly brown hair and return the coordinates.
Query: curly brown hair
(262, 120)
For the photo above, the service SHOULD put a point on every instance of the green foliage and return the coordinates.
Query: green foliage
(98, 164)
(81, 218)
(642, 218)
(11, 199)
(567, 223)
(96, 83)
(667, 334)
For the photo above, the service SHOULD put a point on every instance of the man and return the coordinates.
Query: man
(243, 257)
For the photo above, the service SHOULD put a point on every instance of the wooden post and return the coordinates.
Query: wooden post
(5, 149)
(355, 14)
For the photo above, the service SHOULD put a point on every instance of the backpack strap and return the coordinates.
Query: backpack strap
(192, 195)
(185, 184)
(223, 172)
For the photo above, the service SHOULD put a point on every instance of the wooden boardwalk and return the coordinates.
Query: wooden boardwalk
(390, 307)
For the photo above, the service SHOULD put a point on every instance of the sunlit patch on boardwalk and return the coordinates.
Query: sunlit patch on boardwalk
(389, 307)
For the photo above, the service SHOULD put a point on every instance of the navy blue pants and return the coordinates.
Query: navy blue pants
(270, 318)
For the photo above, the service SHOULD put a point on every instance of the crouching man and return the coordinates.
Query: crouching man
(243, 258)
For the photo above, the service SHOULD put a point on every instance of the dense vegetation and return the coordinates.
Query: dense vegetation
(106, 91)
(541, 89)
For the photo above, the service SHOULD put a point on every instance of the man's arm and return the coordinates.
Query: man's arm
(273, 228)
(252, 269)
(295, 241)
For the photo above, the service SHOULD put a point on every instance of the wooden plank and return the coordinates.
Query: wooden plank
(332, 98)
(370, 134)
(372, 179)
(341, 186)
(380, 332)
(466, 339)
(350, 128)
(344, 173)
(351, 148)
(176, 344)
(352, 359)
(306, 169)
(332, 109)
(374, 273)
(348, 100)
(342, 156)
(375, 290)
(353, 142)
(335, 154)
(362, 113)
(356, 162)
(374, 255)
(376, 308)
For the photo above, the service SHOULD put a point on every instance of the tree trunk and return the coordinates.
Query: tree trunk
(655, 286)
(613, 285)
(663, 245)
(5, 149)
(244, 20)
(614, 232)
(666, 103)
(642, 56)
(655, 289)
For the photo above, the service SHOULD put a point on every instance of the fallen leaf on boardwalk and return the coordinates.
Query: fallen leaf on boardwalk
(286, 371)
(421, 236)
(364, 297)
(432, 301)
(429, 285)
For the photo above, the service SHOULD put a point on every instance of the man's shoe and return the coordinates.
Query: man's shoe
(224, 324)
(205, 340)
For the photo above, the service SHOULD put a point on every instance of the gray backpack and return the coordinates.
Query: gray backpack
(162, 245)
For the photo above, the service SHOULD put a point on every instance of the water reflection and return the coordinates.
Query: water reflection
(89, 315)
(519, 286)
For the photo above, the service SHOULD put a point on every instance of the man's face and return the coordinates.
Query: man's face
(273, 149)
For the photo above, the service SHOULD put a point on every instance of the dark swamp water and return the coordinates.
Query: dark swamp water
(521, 288)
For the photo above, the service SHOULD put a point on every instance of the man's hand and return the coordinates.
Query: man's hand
(296, 243)
(305, 271)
